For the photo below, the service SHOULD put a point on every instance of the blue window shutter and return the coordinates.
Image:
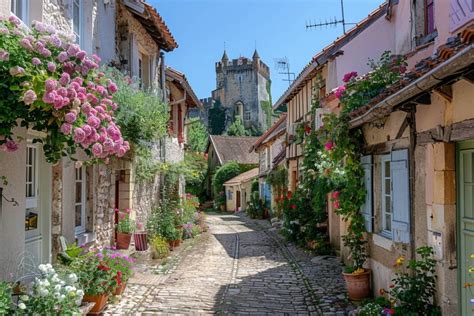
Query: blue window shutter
(367, 209)
(400, 196)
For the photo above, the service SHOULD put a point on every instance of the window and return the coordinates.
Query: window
(80, 200)
(239, 109)
(31, 192)
(77, 24)
(386, 196)
(229, 195)
(20, 9)
(144, 70)
(140, 70)
(247, 116)
(429, 17)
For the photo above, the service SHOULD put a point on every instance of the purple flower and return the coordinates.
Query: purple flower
(66, 128)
(35, 61)
(45, 52)
(72, 50)
(50, 84)
(49, 97)
(79, 135)
(10, 146)
(55, 41)
(25, 43)
(51, 67)
(80, 55)
(4, 55)
(4, 30)
(29, 97)
(17, 71)
(14, 20)
(97, 149)
(70, 117)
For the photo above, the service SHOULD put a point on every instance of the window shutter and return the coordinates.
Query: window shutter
(400, 196)
(367, 209)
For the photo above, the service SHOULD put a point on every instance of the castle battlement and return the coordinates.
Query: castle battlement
(243, 64)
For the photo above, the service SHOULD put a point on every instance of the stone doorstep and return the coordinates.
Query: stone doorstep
(86, 307)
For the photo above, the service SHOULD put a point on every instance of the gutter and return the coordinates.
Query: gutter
(426, 82)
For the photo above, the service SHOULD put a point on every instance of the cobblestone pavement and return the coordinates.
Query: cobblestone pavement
(240, 267)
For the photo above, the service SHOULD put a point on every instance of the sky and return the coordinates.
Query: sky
(275, 27)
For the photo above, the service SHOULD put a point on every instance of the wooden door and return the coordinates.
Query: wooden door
(238, 204)
(465, 222)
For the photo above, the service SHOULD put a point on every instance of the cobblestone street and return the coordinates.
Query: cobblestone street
(242, 267)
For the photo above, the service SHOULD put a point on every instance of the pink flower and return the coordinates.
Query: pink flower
(97, 149)
(45, 52)
(329, 146)
(93, 121)
(96, 58)
(62, 57)
(4, 31)
(336, 205)
(50, 84)
(10, 146)
(35, 61)
(73, 50)
(340, 91)
(4, 55)
(49, 97)
(14, 20)
(64, 80)
(79, 135)
(29, 97)
(87, 129)
(112, 87)
(70, 117)
(51, 67)
(66, 128)
(122, 151)
(17, 71)
(80, 55)
(348, 76)
(25, 43)
(62, 92)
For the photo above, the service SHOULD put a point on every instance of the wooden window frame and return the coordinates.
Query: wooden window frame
(83, 202)
(383, 176)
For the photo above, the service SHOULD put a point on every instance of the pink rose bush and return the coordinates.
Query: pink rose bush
(53, 86)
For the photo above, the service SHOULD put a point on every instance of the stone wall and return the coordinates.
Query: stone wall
(104, 202)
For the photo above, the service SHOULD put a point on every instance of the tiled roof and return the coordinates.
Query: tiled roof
(455, 46)
(180, 78)
(243, 177)
(233, 148)
(311, 69)
(278, 126)
(153, 23)
(279, 158)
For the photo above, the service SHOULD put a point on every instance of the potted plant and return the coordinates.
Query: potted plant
(52, 293)
(159, 248)
(96, 277)
(140, 236)
(356, 276)
(173, 235)
(121, 267)
(125, 229)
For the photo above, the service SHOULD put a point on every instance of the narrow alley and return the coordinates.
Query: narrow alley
(240, 267)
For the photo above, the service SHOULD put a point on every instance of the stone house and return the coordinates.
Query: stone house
(72, 199)
(243, 90)
(417, 153)
(238, 190)
(223, 149)
(271, 149)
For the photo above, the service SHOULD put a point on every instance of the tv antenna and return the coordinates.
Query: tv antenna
(332, 22)
(283, 65)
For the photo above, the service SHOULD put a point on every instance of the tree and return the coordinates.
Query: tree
(224, 173)
(216, 119)
(197, 135)
(237, 129)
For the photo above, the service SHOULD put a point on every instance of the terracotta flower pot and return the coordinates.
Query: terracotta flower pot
(120, 288)
(99, 300)
(358, 285)
(141, 241)
(123, 240)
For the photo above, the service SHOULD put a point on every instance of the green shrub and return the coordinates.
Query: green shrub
(196, 230)
(223, 174)
(159, 248)
(5, 298)
(256, 207)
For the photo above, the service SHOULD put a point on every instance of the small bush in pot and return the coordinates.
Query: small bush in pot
(125, 228)
(159, 248)
(120, 265)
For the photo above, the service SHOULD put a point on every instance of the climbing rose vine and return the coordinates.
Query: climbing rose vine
(48, 84)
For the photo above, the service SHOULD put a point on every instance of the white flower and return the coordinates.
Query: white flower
(43, 292)
(24, 298)
(72, 278)
(78, 301)
(80, 293)
(57, 288)
(62, 297)
(22, 306)
(42, 268)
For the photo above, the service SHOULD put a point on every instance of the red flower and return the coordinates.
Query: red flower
(103, 267)
(391, 286)
(307, 129)
(348, 76)
(118, 277)
(382, 292)
(288, 196)
(388, 311)
(335, 195)
(293, 206)
(336, 205)
(339, 92)
(329, 146)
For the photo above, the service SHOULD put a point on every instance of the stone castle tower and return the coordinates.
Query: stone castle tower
(243, 90)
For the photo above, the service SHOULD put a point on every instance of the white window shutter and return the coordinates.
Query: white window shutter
(367, 209)
(400, 196)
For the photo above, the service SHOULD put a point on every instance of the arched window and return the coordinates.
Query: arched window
(239, 109)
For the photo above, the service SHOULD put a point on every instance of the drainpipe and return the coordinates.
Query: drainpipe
(412, 165)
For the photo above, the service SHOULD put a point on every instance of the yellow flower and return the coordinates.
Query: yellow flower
(358, 271)
(400, 260)
(471, 270)
(472, 256)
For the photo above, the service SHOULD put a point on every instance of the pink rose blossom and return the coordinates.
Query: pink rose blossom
(35, 61)
(348, 76)
(49, 97)
(4, 55)
(62, 91)
(14, 20)
(112, 87)
(29, 97)
(80, 55)
(62, 57)
(97, 149)
(93, 121)
(64, 80)
(336, 205)
(25, 43)
(87, 130)
(45, 52)
(50, 84)
(4, 31)
(70, 117)
(51, 67)
(79, 135)
(66, 128)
